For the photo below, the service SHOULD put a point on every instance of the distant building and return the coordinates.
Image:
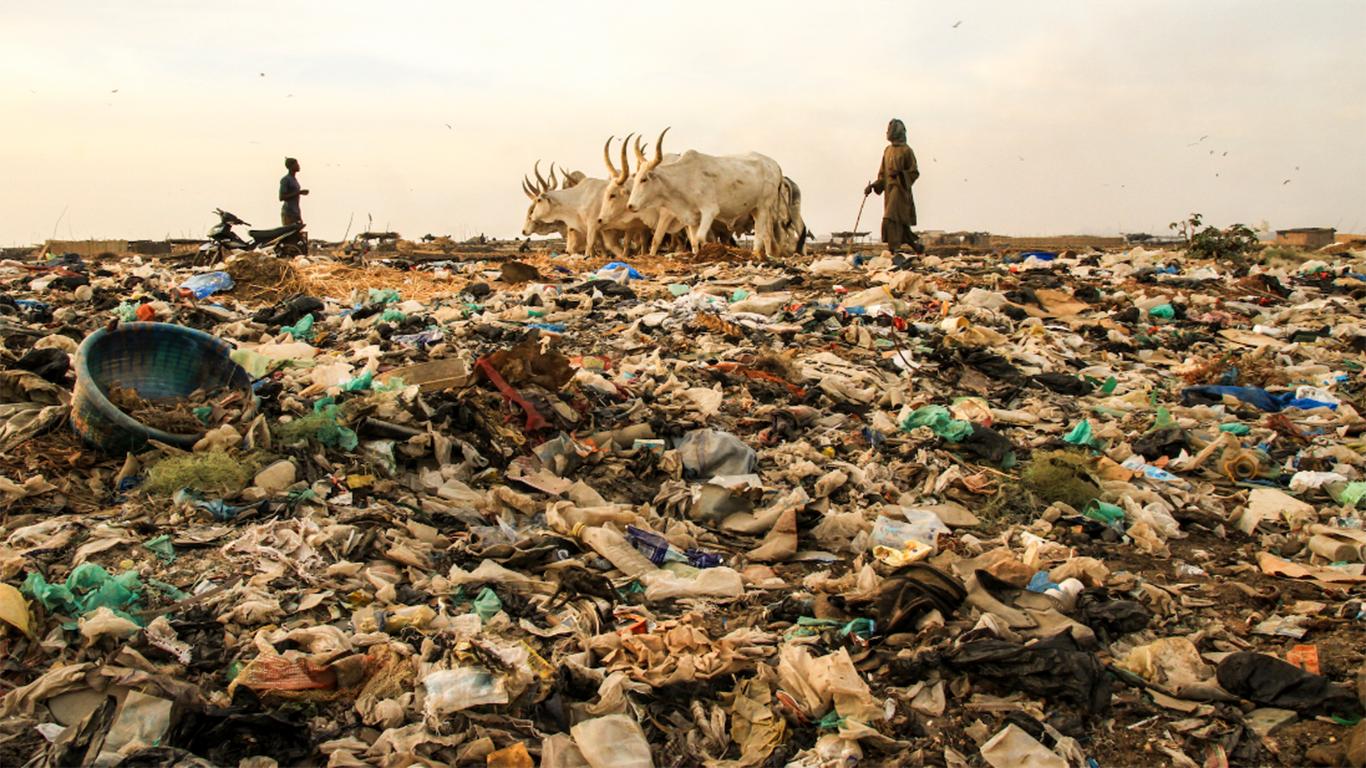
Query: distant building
(1311, 238)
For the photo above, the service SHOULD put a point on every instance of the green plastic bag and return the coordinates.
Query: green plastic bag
(1164, 420)
(393, 316)
(126, 312)
(1350, 494)
(334, 435)
(1238, 428)
(169, 590)
(302, 329)
(1162, 312)
(678, 289)
(360, 383)
(87, 587)
(321, 426)
(161, 546)
(1102, 512)
(938, 419)
(831, 722)
(386, 296)
(1080, 435)
(487, 605)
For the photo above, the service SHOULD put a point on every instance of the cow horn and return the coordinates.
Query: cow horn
(540, 180)
(659, 149)
(607, 156)
(526, 188)
(554, 182)
(625, 166)
(640, 152)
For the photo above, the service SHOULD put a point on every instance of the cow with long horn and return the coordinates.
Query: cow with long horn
(700, 189)
(614, 214)
(575, 208)
(573, 240)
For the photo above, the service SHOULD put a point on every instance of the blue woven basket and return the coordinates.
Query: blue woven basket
(157, 360)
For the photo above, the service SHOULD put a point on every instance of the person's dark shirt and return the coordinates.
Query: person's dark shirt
(289, 190)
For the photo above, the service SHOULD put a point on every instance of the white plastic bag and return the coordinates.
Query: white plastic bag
(613, 741)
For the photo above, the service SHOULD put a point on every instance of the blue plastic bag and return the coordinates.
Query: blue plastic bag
(630, 270)
(1272, 402)
(207, 284)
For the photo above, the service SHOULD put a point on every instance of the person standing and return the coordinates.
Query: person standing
(290, 193)
(894, 179)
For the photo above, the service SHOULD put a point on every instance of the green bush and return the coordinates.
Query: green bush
(1230, 243)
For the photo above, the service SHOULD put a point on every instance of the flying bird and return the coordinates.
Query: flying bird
(115, 91)
(1197, 141)
(956, 23)
(448, 127)
(1283, 183)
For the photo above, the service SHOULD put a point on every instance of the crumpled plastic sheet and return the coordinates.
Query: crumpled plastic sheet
(678, 651)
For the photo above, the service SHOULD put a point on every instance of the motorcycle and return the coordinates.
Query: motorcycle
(289, 240)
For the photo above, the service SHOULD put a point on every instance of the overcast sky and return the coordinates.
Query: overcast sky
(137, 119)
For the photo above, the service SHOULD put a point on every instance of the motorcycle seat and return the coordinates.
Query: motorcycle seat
(262, 235)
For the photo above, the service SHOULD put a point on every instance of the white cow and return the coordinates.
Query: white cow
(614, 215)
(575, 208)
(573, 241)
(701, 189)
(791, 228)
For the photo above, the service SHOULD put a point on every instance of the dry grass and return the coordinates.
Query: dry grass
(339, 281)
(262, 278)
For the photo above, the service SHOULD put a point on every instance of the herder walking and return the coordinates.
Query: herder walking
(290, 192)
(894, 178)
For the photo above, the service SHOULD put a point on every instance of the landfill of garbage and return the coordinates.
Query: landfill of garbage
(971, 509)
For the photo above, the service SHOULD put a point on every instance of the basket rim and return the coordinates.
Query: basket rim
(102, 403)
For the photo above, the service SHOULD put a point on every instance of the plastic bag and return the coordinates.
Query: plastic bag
(385, 296)
(938, 419)
(612, 741)
(615, 266)
(720, 582)
(359, 383)
(487, 605)
(710, 452)
(1081, 434)
(87, 587)
(453, 690)
(1013, 748)
(921, 525)
(206, 284)
(302, 329)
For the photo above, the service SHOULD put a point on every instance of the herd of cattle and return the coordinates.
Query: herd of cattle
(668, 198)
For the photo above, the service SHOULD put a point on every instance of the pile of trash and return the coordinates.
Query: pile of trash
(1059, 509)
